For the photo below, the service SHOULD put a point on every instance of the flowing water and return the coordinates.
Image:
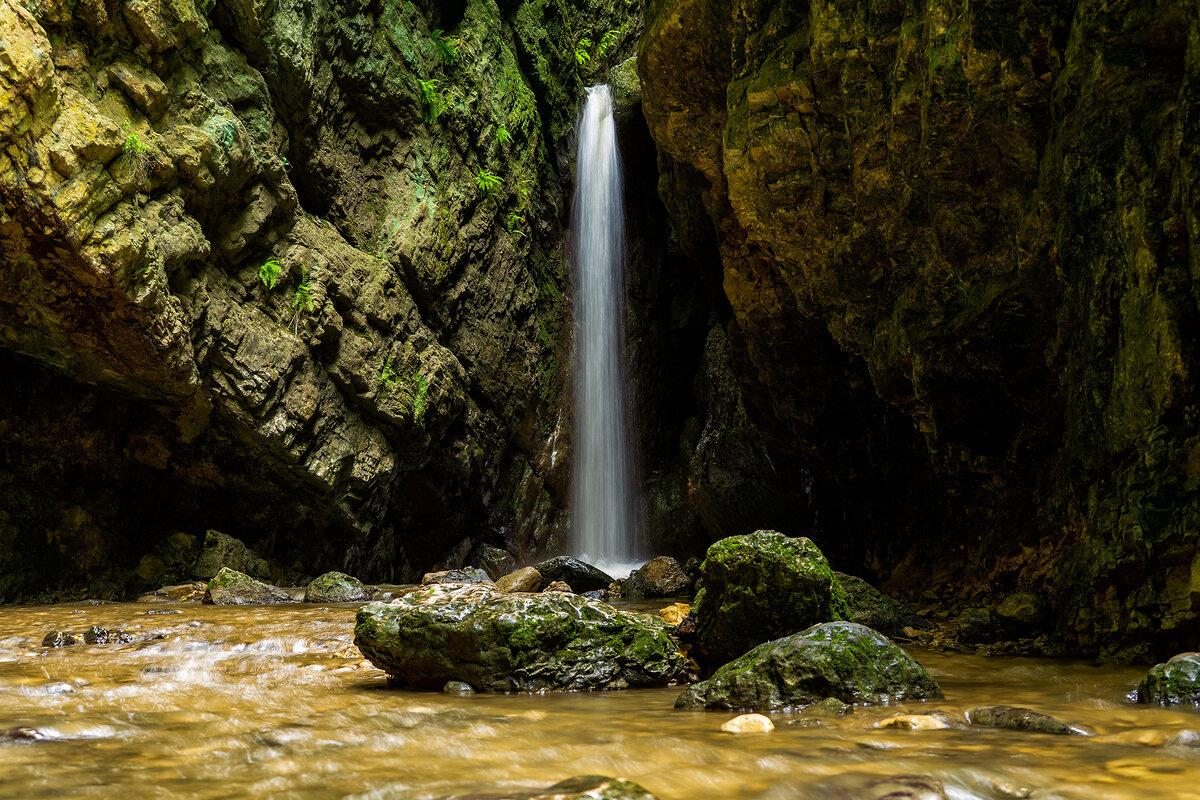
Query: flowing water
(275, 702)
(604, 529)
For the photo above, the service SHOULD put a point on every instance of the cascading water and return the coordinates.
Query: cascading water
(605, 525)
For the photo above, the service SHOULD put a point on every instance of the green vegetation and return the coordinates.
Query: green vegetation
(447, 50)
(432, 102)
(268, 273)
(412, 389)
(502, 136)
(134, 146)
(512, 224)
(301, 300)
(607, 41)
(581, 52)
(488, 182)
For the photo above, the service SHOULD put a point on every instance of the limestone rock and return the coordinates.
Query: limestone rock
(835, 659)
(221, 551)
(465, 575)
(231, 588)
(748, 723)
(336, 587)
(1020, 719)
(558, 586)
(515, 642)
(659, 577)
(583, 577)
(760, 587)
(1176, 682)
(492, 560)
(868, 606)
(675, 613)
(526, 579)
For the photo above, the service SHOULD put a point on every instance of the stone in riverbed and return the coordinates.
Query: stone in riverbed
(59, 639)
(526, 579)
(835, 659)
(559, 586)
(658, 577)
(336, 587)
(493, 560)
(584, 577)
(1175, 682)
(760, 587)
(584, 787)
(222, 551)
(870, 607)
(231, 588)
(515, 642)
(748, 723)
(1019, 719)
(465, 575)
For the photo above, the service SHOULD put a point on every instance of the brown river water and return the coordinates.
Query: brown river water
(274, 702)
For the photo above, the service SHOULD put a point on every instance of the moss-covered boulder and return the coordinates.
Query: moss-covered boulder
(658, 577)
(515, 642)
(584, 787)
(232, 588)
(336, 587)
(465, 575)
(835, 659)
(582, 577)
(221, 550)
(760, 587)
(871, 607)
(1177, 682)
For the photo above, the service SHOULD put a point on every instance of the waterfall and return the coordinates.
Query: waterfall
(605, 525)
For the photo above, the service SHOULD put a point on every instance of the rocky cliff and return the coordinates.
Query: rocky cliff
(959, 243)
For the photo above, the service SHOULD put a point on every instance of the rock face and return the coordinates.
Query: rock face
(1177, 682)
(658, 577)
(956, 247)
(582, 577)
(759, 587)
(220, 551)
(515, 642)
(231, 588)
(835, 659)
(336, 587)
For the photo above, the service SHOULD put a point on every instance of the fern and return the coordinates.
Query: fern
(413, 389)
(512, 224)
(301, 300)
(581, 53)
(431, 101)
(488, 182)
(268, 273)
(446, 50)
(607, 41)
(502, 136)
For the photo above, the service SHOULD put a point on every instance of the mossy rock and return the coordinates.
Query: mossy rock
(500, 642)
(465, 575)
(582, 577)
(760, 587)
(583, 787)
(1177, 682)
(221, 550)
(232, 588)
(658, 577)
(834, 659)
(870, 607)
(336, 587)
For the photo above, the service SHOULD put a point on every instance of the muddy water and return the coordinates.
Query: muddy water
(275, 702)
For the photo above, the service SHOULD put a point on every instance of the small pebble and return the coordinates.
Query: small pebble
(749, 723)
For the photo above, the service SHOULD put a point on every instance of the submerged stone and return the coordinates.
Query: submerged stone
(658, 577)
(232, 588)
(515, 642)
(1019, 719)
(458, 688)
(760, 587)
(584, 787)
(583, 577)
(336, 587)
(748, 723)
(843, 660)
(1175, 682)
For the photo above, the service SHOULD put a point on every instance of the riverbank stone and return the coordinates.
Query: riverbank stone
(465, 575)
(336, 587)
(515, 642)
(871, 607)
(558, 586)
(232, 588)
(658, 577)
(1175, 682)
(583, 577)
(221, 551)
(495, 561)
(843, 660)
(584, 787)
(759, 587)
(526, 579)
(1019, 719)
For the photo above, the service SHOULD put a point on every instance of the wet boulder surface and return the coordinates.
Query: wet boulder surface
(583, 787)
(500, 642)
(843, 660)
(658, 577)
(1176, 682)
(868, 606)
(336, 587)
(579, 575)
(232, 588)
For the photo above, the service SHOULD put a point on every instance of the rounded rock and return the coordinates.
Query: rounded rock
(749, 723)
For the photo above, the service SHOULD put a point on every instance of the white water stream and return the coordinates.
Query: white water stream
(605, 528)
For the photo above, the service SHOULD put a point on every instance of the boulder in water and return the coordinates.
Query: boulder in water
(515, 642)
(870, 607)
(221, 551)
(844, 660)
(759, 587)
(232, 588)
(658, 577)
(1019, 719)
(465, 575)
(526, 579)
(336, 587)
(1176, 682)
(748, 723)
(59, 639)
(978, 626)
(584, 787)
(583, 577)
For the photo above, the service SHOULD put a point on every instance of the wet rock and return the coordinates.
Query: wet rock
(873, 787)
(595, 594)
(584, 787)
(868, 606)
(515, 642)
(1175, 682)
(458, 688)
(978, 626)
(60, 639)
(835, 659)
(584, 577)
(465, 575)
(675, 613)
(558, 586)
(221, 551)
(526, 579)
(22, 734)
(830, 707)
(182, 592)
(1022, 611)
(1019, 719)
(760, 587)
(232, 588)
(616, 589)
(98, 635)
(493, 560)
(336, 587)
(915, 722)
(749, 723)
(659, 577)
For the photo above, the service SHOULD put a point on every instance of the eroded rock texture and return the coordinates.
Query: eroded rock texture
(959, 241)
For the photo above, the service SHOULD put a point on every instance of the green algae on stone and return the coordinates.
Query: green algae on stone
(515, 642)
(231, 588)
(759, 587)
(844, 660)
(1176, 682)
(336, 587)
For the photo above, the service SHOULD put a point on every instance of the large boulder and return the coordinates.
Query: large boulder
(1177, 682)
(759, 587)
(526, 579)
(581, 577)
(500, 642)
(464, 575)
(584, 787)
(835, 659)
(222, 551)
(871, 607)
(493, 560)
(232, 588)
(658, 577)
(336, 587)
